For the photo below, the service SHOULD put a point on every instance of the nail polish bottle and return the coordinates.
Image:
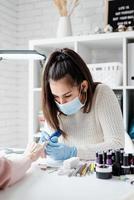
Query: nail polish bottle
(121, 155)
(113, 156)
(130, 156)
(132, 165)
(125, 168)
(116, 164)
(109, 158)
(104, 157)
(100, 159)
(96, 157)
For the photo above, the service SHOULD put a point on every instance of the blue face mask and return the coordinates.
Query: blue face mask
(70, 107)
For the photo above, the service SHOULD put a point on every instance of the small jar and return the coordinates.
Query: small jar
(104, 172)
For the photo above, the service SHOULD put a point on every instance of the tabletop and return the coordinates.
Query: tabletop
(41, 185)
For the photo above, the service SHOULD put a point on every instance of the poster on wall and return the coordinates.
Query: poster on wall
(120, 12)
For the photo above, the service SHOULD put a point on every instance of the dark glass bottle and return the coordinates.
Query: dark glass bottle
(113, 156)
(100, 159)
(96, 157)
(109, 158)
(116, 164)
(104, 157)
(132, 165)
(130, 156)
(121, 156)
(125, 168)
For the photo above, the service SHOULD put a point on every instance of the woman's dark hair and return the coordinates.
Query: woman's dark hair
(60, 64)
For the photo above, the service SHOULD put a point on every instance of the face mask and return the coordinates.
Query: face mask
(71, 107)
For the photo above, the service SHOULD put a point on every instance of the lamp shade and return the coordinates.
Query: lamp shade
(21, 54)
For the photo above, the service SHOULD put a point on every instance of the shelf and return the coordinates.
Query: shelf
(81, 38)
(104, 43)
(130, 87)
(50, 46)
(117, 88)
(113, 88)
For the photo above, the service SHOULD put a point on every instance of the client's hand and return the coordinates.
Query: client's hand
(35, 150)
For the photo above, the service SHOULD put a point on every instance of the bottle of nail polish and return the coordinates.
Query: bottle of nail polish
(121, 155)
(132, 165)
(116, 164)
(113, 156)
(130, 156)
(104, 157)
(100, 160)
(96, 157)
(125, 168)
(109, 159)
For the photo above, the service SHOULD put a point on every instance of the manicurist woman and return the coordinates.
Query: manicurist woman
(86, 113)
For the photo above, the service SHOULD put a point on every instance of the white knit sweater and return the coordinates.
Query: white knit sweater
(100, 129)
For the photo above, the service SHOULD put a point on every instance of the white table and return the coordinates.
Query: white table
(41, 185)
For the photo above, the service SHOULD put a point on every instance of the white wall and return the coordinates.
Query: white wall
(8, 74)
(21, 21)
(39, 18)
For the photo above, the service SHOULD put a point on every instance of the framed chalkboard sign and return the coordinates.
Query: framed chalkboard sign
(119, 12)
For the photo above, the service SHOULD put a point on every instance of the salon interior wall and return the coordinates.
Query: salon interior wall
(9, 86)
(21, 21)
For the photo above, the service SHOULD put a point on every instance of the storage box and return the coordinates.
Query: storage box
(108, 73)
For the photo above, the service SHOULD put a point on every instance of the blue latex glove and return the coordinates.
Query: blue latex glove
(46, 137)
(60, 151)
